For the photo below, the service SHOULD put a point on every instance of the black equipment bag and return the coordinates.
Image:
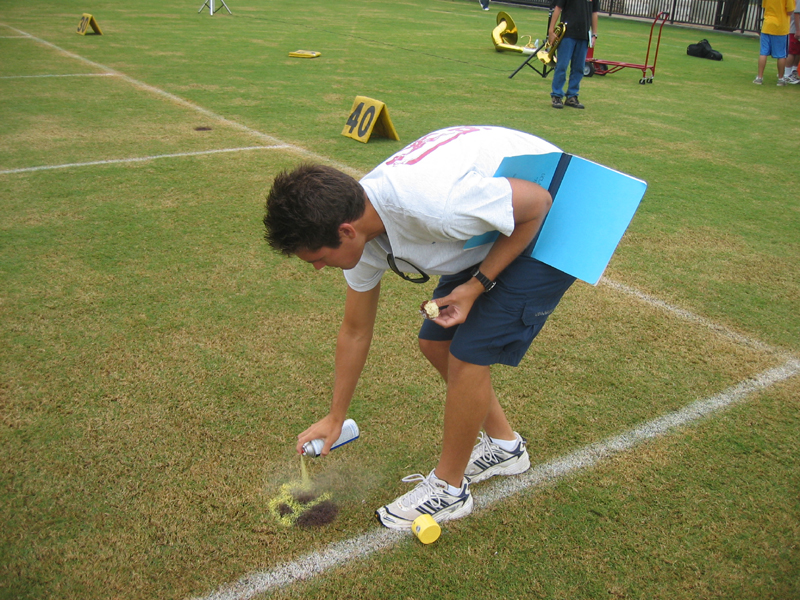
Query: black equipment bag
(703, 49)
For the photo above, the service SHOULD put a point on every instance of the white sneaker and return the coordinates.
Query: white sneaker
(488, 459)
(758, 80)
(430, 497)
(781, 81)
(793, 79)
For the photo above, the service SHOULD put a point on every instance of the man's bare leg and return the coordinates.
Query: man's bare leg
(496, 424)
(762, 64)
(437, 354)
(469, 397)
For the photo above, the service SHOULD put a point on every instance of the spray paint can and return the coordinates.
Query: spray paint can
(350, 432)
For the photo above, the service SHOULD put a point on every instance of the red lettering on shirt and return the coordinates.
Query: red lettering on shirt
(416, 151)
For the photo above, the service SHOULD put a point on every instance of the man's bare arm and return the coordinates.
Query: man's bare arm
(352, 348)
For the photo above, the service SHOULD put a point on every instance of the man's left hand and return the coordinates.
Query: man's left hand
(455, 307)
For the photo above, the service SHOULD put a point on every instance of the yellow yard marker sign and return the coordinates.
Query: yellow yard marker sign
(369, 116)
(87, 21)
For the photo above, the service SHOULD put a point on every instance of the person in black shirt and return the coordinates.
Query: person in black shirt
(580, 17)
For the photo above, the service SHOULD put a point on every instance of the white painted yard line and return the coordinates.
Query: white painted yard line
(340, 553)
(693, 318)
(299, 150)
(140, 159)
(54, 75)
(592, 454)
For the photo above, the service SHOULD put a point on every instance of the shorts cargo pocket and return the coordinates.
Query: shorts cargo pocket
(535, 315)
(512, 344)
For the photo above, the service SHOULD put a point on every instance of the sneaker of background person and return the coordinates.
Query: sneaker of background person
(573, 102)
(793, 79)
(781, 81)
(431, 496)
(758, 80)
(489, 459)
(557, 102)
(484, 4)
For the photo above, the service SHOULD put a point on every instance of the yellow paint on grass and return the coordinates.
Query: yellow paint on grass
(285, 502)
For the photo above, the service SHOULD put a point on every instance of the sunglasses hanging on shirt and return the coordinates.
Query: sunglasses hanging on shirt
(407, 270)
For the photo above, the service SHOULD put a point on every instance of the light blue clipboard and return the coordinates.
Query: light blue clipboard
(592, 207)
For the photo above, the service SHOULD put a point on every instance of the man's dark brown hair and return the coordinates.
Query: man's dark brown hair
(306, 206)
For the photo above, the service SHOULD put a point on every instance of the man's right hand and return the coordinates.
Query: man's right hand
(328, 429)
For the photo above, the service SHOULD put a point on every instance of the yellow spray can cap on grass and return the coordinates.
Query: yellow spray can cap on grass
(426, 529)
(305, 54)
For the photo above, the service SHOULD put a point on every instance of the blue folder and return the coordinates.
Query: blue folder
(592, 207)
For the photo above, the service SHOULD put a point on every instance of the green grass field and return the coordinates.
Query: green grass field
(157, 360)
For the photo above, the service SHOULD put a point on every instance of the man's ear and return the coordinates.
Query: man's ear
(347, 231)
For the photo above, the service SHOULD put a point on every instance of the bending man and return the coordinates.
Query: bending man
(423, 212)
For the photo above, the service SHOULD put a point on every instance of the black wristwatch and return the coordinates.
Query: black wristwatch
(487, 283)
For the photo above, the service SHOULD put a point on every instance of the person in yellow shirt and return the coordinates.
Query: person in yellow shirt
(774, 36)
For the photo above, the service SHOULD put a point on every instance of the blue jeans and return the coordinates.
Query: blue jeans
(571, 51)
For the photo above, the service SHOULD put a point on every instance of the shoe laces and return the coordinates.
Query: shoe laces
(484, 449)
(425, 490)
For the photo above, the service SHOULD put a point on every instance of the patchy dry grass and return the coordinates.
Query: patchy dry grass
(158, 360)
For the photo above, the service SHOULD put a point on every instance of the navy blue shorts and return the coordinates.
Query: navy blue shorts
(502, 324)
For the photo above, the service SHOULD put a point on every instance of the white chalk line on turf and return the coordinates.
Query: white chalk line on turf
(693, 318)
(375, 540)
(299, 150)
(55, 75)
(592, 454)
(140, 159)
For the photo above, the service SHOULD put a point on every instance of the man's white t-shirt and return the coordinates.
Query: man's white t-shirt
(436, 194)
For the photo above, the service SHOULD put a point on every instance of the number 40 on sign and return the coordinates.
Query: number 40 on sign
(369, 116)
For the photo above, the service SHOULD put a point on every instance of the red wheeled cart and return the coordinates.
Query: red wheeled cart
(606, 67)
